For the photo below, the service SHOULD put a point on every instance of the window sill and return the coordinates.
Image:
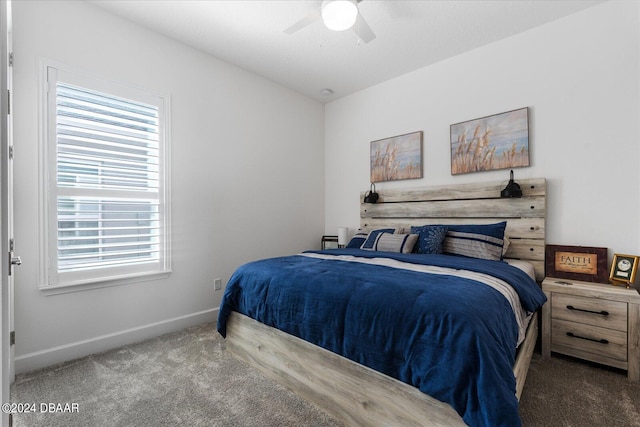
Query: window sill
(106, 283)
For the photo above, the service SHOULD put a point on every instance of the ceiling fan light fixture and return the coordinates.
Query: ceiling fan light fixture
(339, 15)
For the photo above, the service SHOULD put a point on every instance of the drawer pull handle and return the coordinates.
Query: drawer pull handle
(601, 341)
(602, 313)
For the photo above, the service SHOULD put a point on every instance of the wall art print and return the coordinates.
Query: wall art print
(398, 157)
(494, 142)
(586, 263)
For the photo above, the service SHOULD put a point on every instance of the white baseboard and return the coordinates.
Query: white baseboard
(40, 359)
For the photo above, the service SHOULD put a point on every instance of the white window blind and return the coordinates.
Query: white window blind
(107, 190)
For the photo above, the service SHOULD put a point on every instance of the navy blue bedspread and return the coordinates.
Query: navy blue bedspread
(452, 338)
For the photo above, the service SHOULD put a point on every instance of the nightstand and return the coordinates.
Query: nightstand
(592, 321)
(329, 242)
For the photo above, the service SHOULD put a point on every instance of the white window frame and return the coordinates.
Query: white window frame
(50, 280)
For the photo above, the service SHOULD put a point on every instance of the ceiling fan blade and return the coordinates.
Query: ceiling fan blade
(309, 19)
(362, 29)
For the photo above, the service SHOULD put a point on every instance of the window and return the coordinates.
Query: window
(105, 181)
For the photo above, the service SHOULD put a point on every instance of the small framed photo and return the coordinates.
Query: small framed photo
(624, 268)
(585, 263)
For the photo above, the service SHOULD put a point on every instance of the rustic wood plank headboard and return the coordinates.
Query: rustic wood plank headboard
(477, 203)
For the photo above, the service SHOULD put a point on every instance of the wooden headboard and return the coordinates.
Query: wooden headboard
(477, 203)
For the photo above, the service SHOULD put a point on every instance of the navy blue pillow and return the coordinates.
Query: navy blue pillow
(430, 238)
(358, 239)
(370, 243)
(484, 241)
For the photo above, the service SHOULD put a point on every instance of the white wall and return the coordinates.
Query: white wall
(247, 167)
(579, 76)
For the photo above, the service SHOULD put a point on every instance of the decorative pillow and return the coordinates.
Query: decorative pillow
(505, 245)
(358, 239)
(484, 241)
(430, 238)
(402, 243)
(370, 243)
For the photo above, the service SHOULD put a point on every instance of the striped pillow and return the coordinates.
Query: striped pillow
(483, 241)
(402, 243)
(358, 239)
(372, 238)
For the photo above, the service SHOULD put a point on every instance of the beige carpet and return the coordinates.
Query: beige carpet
(186, 379)
(181, 379)
(566, 392)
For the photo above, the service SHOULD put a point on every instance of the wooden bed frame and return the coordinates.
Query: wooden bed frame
(355, 394)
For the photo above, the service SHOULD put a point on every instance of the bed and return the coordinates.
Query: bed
(409, 343)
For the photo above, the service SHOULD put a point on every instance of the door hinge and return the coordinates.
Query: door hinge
(12, 338)
(10, 59)
(11, 152)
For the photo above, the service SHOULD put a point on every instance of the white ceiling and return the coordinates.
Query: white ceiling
(410, 34)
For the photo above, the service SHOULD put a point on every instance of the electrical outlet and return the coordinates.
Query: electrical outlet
(217, 284)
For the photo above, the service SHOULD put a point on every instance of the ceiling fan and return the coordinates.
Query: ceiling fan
(338, 15)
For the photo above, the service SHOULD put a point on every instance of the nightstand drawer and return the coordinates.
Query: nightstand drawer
(567, 336)
(590, 311)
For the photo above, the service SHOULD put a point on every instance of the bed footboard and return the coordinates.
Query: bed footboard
(348, 391)
(525, 352)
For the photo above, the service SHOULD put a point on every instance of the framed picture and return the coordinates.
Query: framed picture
(399, 157)
(585, 263)
(500, 141)
(624, 268)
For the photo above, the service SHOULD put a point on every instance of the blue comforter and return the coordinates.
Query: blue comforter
(453, 338)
